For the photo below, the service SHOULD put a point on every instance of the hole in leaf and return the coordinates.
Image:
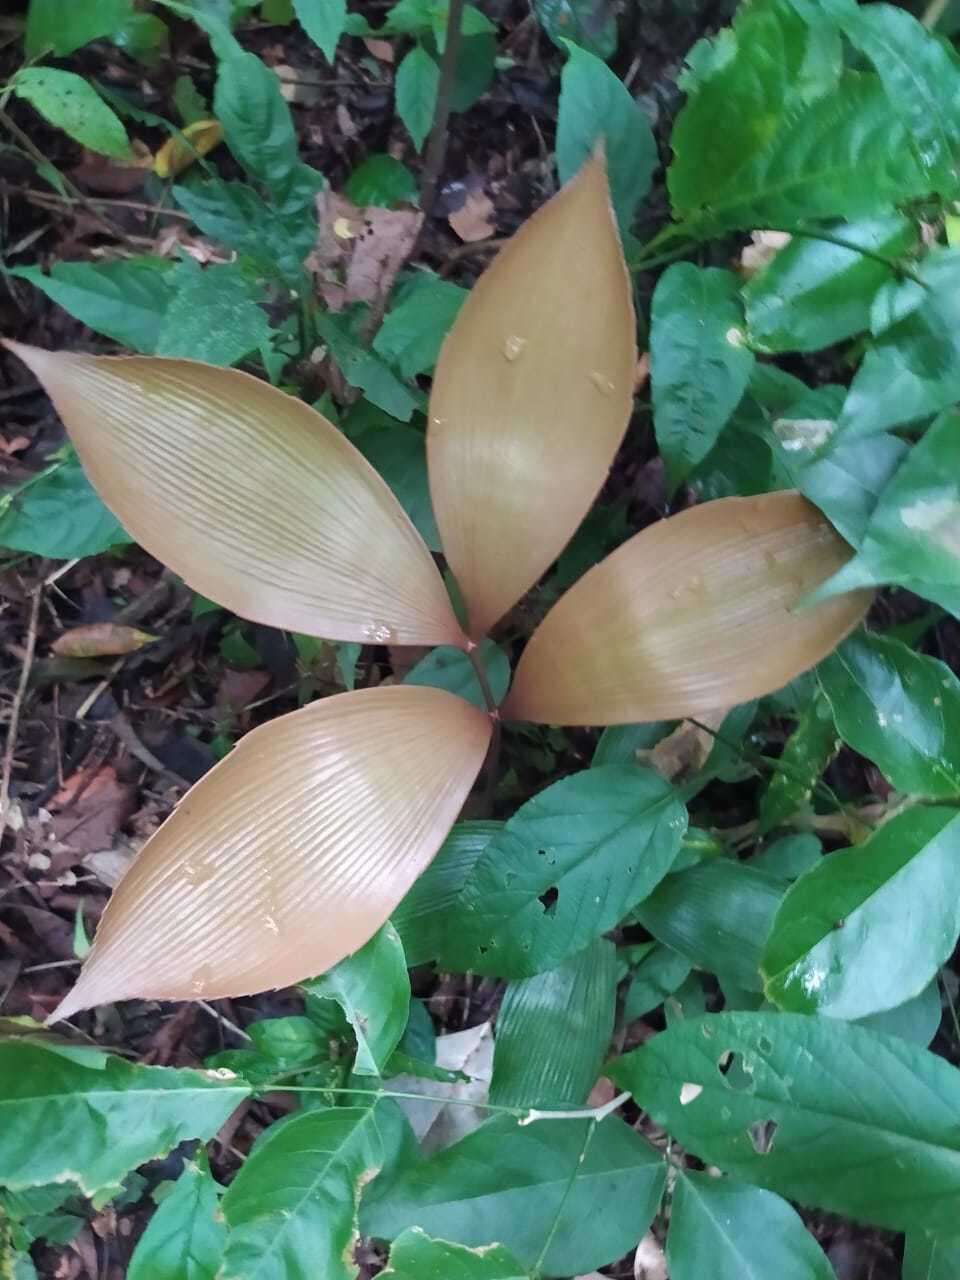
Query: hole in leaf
(548, 900)
(737, 1070)
(762, 1134)
(765, 1044)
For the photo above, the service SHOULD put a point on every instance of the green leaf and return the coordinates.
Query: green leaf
(281, 1046)
(931, 1257)
(624, 743)
(699, 365)
(413, 332)
(595, 106)
(417, 81)
(238, 217)
(400, 455)
(898, 708)
(291, 1210)
(144, 36)
(513, 1184)
(476, 63)
(63, 25)
(813, 1102)
(185, 1237)
(373, 989)
(63, 1120)
(323, 21)
(912, 537)
(215, 316)
(422, 918)
(382, 180)
(841, 943)
(568, 865)
(58, 514)
(658, 975)
(718, 915)
(807, 752)
(415, 1256)
(789, 857)
(363, 369)
(846, 483)
(451, 669)
(815, 293)
(921, 77)
(553, 1031)
(916, 1020)
(69, 103)
(729, 1231)
(587, 23)
(126, 300)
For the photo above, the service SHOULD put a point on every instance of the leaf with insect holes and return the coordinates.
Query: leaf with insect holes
(543, 344)
(251, 860)
(69, 103)
(318, 545)
(415, 1256)
(696, 612)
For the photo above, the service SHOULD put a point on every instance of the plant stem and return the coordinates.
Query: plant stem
(437, 146)
(473, 654)
(493, 753)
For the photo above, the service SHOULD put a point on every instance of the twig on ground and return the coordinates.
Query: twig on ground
(13, 726)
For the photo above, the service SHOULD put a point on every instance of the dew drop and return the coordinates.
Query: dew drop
(602, 383)
(938, 701)
(200, 979)
(513, 347)
(271, 925)
(378, 632)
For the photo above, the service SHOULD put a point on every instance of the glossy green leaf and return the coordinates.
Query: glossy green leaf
(323, 21)
(846, 483)
(789, 857)
(382, 180)
(215, 315)
(516, 1184)
(625, 743)
(553, 1031)
(126, 299)
(567, 866)
(451, 669)
(412, 334)
(728, 1231)
(898, 708)
(185, 1237)
(373, 989)
(399, 454)
(806, 754)
(415, 1256)
(815, 293)
(595, 106)
(58, 514)
(699, 365)
(588, 23)
(71, 104)
(931, 1257)
(913, 536)
(423, 917)
(417, 81)
(870, 926)
(916, 1020)
(88, 1118)
(61, 26)
(821, 1111)
(718, 915)
(658, 975)
(291, 1210)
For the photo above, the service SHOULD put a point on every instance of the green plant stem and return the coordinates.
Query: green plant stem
(493, 752)
(481, 673)
(437, 146)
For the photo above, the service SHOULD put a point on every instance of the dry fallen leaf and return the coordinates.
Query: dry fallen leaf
(763, 248)
(91, 807)
(474, 220)
(180, 151)
(100, 640)
(110, 865)
(360, 250)
(114, 177)
(686, 749)
(649, 1262)
(437, 1124)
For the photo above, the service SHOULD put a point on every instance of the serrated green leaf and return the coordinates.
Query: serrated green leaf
(382, 180)
(238, 217)
(821, 1111)
(363, 369)
(69, 103)
(61, 26)
(421, 317)
(699, 365)
(323, 21)
(595, 106)
(658, 975)
(931, 1257)
(729, 1231)
(214, 316)
(553, 1031)
(588, 23)
(126, 300)
(514, 1184)
(373, 989)
(58, 514)
(815, 293)
(718, 915)
(415, 1256)
(62, 1121)
(842, 943)
(898, 708)
(567, 866)
(417, 81)
(806, 754)
(257, 123)
(185, 1237)
(451, 669)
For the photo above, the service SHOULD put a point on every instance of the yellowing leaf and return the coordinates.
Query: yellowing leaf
(696, 612)
(531, 397)
(255, 499)
(180, 151)
(291, 852)
(100, 639)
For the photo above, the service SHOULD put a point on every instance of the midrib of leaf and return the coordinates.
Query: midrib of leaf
(134, 1094)
(704, 1202)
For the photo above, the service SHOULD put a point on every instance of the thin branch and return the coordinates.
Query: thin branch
(14, 723)
(437, 146)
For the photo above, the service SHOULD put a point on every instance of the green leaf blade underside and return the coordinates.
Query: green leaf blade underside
(184, 1239)
(415, 1256)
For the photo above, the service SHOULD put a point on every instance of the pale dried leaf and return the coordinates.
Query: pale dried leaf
(99, 640)
(290, 853)
(531, 397)
(475, 219)
(761, 251)
(253, 498)
(360, 250)
(686, 749)
(696, 612)
(110, 865)
(438, 1124)
(649, 1262)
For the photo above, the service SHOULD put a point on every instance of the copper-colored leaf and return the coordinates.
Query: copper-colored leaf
(696, 612)
(292, 852)
(254, 498)
(531, 397)
(100, 640)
